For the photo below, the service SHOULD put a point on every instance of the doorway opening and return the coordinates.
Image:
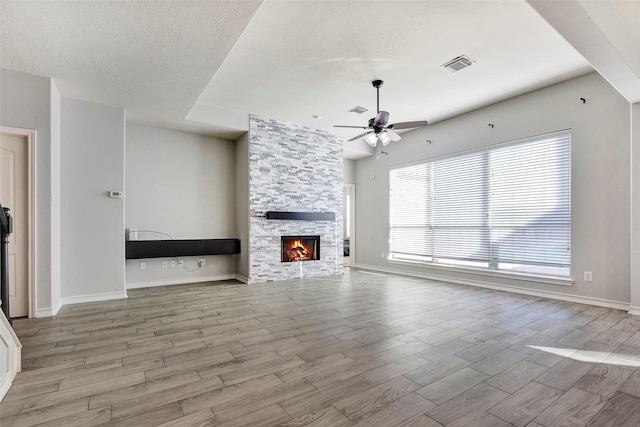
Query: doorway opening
(349, 216)
(17, 192)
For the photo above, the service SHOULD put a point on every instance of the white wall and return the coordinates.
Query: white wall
(600, 180)
(92, 224)
(25, 102)
(181, 184)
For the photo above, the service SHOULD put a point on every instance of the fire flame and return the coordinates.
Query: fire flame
(297, 251)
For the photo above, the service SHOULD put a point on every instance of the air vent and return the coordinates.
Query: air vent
(457, 64)
(357, 109)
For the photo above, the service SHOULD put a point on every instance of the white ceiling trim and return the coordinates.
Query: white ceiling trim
(616, 58)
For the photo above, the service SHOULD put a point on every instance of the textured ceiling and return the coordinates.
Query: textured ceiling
(152, 57)
(204, 65)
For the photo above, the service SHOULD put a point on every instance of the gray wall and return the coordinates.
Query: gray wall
(92, 224)
(56, 274)
(181, 184)
(293, 168)
(349, 167)
(242, 206)
(600, 180)
(635, 209)
(25, 102)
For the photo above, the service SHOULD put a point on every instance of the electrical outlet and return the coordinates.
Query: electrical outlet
(173, 263)
(381, 254)
(588, 276)
(164, 264)
(181, 263)
(202, 262)
(143, 265)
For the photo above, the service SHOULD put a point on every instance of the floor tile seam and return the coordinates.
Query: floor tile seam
(593, 417)
(538, 414)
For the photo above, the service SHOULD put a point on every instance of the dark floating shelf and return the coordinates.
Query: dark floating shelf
(135, 249)
(302, 216)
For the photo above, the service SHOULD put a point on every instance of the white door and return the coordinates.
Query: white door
(14, 195)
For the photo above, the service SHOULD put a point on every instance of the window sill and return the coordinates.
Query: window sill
(551, 280)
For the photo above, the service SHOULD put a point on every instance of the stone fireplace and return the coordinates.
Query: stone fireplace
(285, 161)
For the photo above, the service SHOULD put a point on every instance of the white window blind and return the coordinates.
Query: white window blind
(503, 208)
(411, 212)
(460, 208)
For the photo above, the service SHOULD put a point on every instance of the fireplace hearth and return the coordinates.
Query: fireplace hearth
(300, 248)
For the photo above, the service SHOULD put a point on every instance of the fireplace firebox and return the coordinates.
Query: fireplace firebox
(300, 248)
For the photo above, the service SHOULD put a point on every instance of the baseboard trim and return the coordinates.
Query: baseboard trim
(180, 281)
(241, 278)
(57, 308)
(78, 299)
(635, 311)
(514, 289)
(45, 312)
(49, 311)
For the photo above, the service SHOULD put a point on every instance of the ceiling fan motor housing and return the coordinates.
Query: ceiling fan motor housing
(378, 127)
(382, 118)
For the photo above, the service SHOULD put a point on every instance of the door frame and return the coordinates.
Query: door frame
(30, 137)
(352, 213)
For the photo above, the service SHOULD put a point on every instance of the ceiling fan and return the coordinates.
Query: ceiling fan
(378, 128)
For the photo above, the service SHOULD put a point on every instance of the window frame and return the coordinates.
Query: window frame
(492, 267)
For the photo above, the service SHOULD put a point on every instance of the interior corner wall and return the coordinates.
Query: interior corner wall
(92, 223)
(181, 185)
(25, 102)
(298, 169)
(242, 206)
(635, 208)
(600, 193)
(349, 171)
(56, 106)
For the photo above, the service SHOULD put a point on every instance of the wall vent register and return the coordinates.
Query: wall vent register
(458, 63)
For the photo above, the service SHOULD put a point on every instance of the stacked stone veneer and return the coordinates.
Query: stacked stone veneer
(297, 169)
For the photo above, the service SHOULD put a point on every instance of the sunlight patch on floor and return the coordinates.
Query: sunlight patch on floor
(592, 356)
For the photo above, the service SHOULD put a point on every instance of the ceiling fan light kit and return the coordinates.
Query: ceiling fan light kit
(384, 138)
(377, 128)
(371, 139)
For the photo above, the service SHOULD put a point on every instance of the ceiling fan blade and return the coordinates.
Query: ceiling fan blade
(393, 136)
(408, 125)
(351, 127)
(360, 136)
(382, 118)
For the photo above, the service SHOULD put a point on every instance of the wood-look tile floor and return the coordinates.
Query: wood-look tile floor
(360, 349)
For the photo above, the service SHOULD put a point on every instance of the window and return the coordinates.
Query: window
(504, 208)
